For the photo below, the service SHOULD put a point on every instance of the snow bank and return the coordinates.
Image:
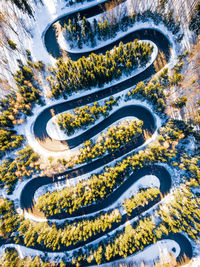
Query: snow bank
(53, 129)
(149, 255)
(154, 253)
(144, 182)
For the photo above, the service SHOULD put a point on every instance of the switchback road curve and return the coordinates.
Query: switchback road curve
(40, 133)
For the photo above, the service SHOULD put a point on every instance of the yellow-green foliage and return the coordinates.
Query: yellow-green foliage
(114, 138)
(53, 237)
(83, 116)
(141, 199)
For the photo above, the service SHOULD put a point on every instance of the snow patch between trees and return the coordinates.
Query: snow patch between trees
(149, 255)
(154, 253)
(53, 129)
(144, 182)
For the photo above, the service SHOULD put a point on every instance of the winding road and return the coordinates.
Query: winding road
(138, 111)
(27, 194)
(51, 144)
(180, 239)
(39, 127)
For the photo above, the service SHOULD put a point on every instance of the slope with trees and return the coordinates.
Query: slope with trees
(84, 116)
(141, 199)
(101, 185)
(83, 32)
(12, 170)
(97, 70)
(178, 215)
(113, 139)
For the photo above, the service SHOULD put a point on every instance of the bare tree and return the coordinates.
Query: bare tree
(115, 11)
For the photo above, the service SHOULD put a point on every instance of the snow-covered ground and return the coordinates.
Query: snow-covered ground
(30, 135)
(64, 44)
(159, 252)
(164, 201)
(44, 16)
(53, 129)
(55, 257)
(158, 123)
(27, 128)
(149, 255)
(137, 26)
(29, 33)
(194, 262)
(62, 136)
(144, 182)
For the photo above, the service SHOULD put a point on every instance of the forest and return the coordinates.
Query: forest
(16, 106)
(96, 70)
(102, 184)
(80, 32)
(12, 170)
(140, 199)
(84, 116)
(23, 5)
(126, 187)
(195, 20)
(114, 138)
(147, 232)
(180, 215)
(55, 237)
